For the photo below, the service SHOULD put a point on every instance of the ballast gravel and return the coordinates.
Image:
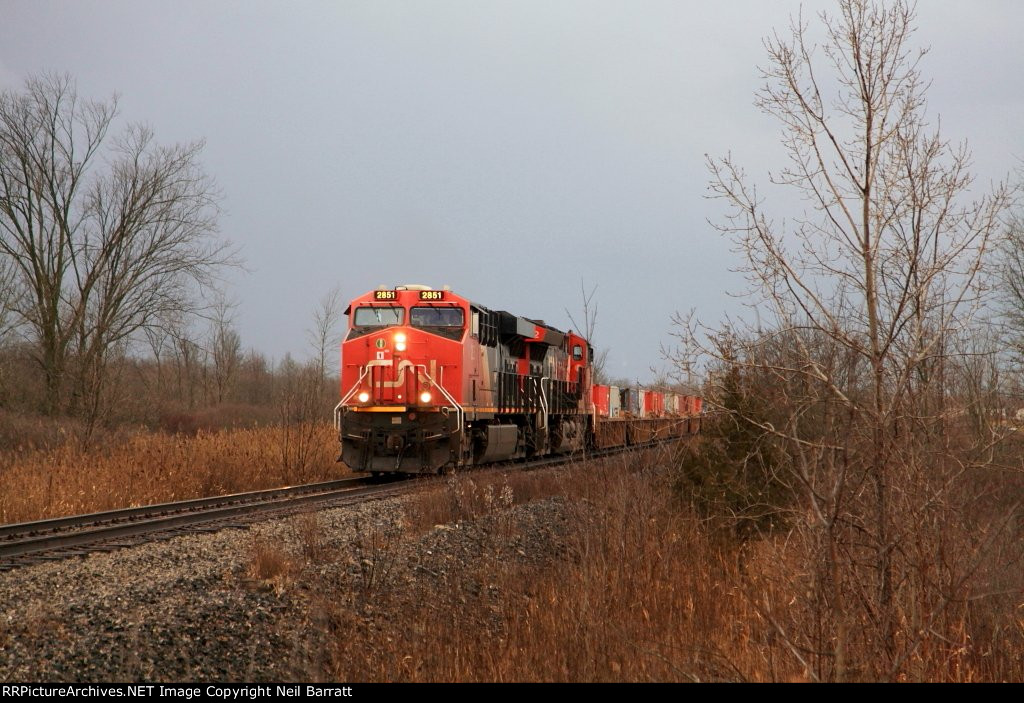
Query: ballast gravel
(243, 604)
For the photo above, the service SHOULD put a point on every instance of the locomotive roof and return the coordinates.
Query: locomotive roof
(508, 323)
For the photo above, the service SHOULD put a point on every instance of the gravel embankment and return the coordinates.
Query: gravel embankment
(244, 605)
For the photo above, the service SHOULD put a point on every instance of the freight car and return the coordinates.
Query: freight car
(432, 381)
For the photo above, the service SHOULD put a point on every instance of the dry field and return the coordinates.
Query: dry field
(152, 467)
(600, 573)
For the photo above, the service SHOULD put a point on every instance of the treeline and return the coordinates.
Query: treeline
(186, 388)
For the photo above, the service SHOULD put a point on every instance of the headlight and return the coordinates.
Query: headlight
(400, 346)
(400, 337)
(363, 397)
(425, 397)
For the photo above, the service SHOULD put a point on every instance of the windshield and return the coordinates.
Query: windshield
(375, 316)
(436, 317)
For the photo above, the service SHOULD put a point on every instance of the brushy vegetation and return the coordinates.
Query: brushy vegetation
(645, 589)
(734, 473)
(69, 478)
(648, 580)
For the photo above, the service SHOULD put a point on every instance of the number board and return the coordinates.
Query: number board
(431, 295)
(385, 295)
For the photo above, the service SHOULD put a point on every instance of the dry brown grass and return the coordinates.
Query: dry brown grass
(963, 637)
(649, 592)
(472, 495)
(311, 538)
(153, 468)
(271, 566)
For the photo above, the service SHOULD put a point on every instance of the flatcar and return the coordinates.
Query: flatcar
(431, 381)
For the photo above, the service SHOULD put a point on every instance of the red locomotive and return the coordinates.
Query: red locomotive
(431, 380)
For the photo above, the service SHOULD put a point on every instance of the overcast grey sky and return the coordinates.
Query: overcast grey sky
(507, 149)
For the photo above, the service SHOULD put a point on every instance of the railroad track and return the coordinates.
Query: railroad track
(60, 538)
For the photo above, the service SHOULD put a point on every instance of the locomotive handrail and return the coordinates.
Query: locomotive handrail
(344, 399)
(544, 401)
(460, 414)
(459, 411)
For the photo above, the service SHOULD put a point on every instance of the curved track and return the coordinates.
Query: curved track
(59, 538)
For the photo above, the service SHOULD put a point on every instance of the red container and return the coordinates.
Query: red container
(654, 403)
(600, 396)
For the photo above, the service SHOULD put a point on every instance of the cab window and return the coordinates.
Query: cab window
(436, 317)
(440, 320)
(378, 316)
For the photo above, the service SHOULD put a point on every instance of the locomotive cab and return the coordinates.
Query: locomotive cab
(400, 380)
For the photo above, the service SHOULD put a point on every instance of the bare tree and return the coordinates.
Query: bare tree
(299, 400)
(225, 348)
(1011, 279)
(324, 336)
(104, 240)
(256, 379)
(871, 291)
(8, 292)
(599, 360)
(160, 343)
(48, 138)
(189, 362)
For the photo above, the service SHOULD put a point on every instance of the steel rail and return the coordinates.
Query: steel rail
(45, 539)
(59, 538)
(20, 530)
